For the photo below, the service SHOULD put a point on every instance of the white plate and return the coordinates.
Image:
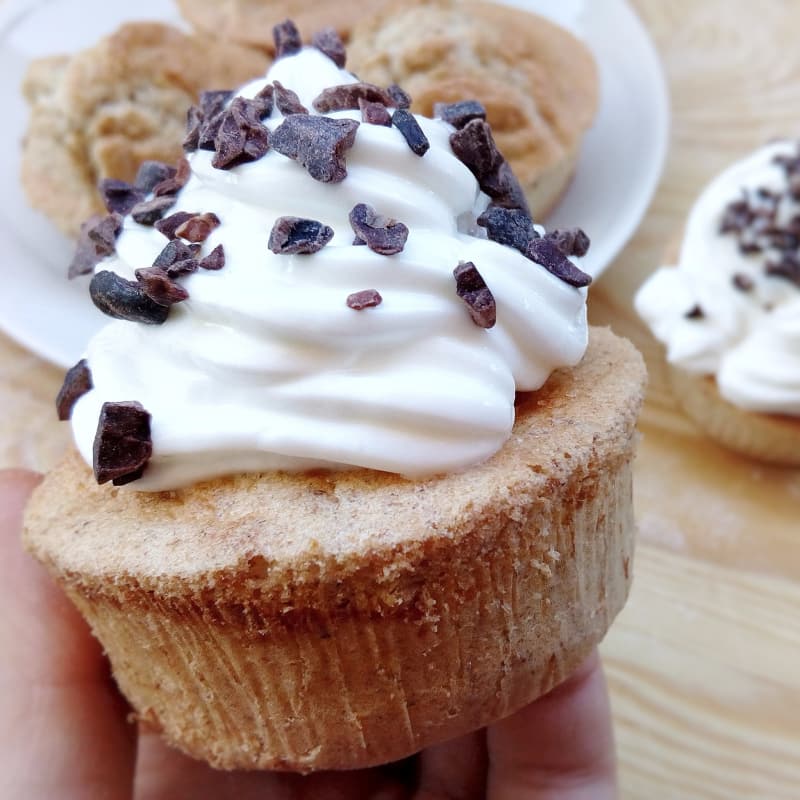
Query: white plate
(620, 164)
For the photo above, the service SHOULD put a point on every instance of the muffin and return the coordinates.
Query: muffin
(728, 312)
(100, 113)
(538, 82)
(369, 488)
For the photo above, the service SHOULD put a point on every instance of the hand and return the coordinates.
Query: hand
(64, 731)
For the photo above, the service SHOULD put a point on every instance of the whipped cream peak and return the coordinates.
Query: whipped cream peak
(266, 360)
(731, 306)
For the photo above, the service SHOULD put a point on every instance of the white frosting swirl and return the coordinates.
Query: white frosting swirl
(749, 340)
(265, 367)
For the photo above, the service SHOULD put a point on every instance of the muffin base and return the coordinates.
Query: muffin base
(343, 620)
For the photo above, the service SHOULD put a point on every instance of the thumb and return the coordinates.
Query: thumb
(62, 723)
(560, 747)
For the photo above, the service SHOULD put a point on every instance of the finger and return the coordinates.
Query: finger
(62, 723)
(454, 770)
(559, 748)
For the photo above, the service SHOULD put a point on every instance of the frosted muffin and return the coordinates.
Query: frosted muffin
(729, 312)
(369, 488)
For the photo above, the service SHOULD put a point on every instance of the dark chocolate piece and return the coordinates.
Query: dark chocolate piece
(374, 113)
(459, 114)
(148, 212)
(400, 98)
(123, 299)
(505, 190)
(316, 143)
(194, 122)
(168, 225)
(264, 101)
(160, 287)
(215, 259)
(176, 251)
(546, 253)
(151, 173)
(329, 42)
(407, 124)
(175, 183)
(241, 137)
(472, 289)
(788, 267)
(287, 101)
(744, 283)
(346, 97)
(122, 444)
(695, 312)
(287, 39)
(97, 239)
(367, 298)
(383, 236)
(292, 235)
(119, 197)
(180, 268)
(77, 382)
(212, 107)
(198, 228)
(571, 241)
(508, 226)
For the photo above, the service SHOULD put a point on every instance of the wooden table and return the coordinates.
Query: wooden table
(704, 662)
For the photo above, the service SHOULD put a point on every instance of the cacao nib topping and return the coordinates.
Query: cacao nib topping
(151, 173)
(744, 283)
(571, 242)
(97, 239)
(168, 225)
(122, 444)
(265, 101)
(292, 235)
(472, 289)
(367, 298)
(407, 124)
(215, 259)
(459, 114)
(194, 122)
(180, 268)
(160, 287)
(317, 143)
(788, 267)
(287, 101)
(358, 241)
(176, 251)
(329, 42)
(508, 226)
(241, 135)
(77, 382)
(176, 182)
(119, 197)
(374, 113)
(695, 312)
(212, 106)
(475, 147)
(381, 235)
(287, 39)
(400, 98)
(346, 97)
(198, 228)
(545, 252)
(123, 299)
(148, 212)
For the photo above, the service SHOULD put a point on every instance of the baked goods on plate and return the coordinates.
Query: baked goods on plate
(729, 311)
(359, 485)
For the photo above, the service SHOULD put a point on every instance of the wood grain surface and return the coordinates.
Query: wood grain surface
(704, 662)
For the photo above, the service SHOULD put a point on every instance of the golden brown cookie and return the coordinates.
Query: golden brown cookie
(344, 619)
(537, 81)
(251, 21)
(101, 112)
